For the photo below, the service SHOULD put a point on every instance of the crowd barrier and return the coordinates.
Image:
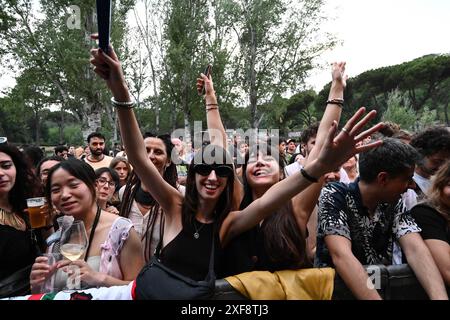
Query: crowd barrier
(396, 282)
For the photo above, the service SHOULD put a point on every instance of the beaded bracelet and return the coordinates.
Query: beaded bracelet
(338, 102)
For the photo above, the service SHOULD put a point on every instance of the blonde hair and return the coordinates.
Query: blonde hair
(434, 194)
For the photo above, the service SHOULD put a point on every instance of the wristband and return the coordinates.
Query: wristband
(308, 177)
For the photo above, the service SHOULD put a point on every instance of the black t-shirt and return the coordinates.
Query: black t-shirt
(432, 223)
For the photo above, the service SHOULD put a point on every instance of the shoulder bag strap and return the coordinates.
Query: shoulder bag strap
(91, 236)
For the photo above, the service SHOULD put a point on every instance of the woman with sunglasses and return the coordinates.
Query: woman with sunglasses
(106, 182)
(279, 242)
(190, 222)
(137, 204)
(114, 253)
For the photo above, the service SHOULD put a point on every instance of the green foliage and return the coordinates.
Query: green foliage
(72, 136)
(427, 118)
(399, 110)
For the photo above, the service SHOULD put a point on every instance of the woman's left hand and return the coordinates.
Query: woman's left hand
(207, 82)
(87, 275)
(109, 68)
(339, 149)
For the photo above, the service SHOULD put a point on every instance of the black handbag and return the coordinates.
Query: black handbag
(158, 282)
(17, 284)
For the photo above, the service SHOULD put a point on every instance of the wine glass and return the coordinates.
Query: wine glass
(73, 245)
(74, 241)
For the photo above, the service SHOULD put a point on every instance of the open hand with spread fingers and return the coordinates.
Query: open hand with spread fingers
(337, 149)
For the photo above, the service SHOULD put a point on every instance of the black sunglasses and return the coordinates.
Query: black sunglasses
(220, 170)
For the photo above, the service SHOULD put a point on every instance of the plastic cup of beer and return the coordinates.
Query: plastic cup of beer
(37, 219)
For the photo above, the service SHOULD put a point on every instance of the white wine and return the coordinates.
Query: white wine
(72, 251)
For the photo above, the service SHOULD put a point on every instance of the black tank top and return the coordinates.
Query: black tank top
(189, 256)
(16, 250)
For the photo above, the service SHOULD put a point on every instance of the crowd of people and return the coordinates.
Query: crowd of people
(340, 198)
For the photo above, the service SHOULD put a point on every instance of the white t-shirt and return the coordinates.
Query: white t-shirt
(423, 183)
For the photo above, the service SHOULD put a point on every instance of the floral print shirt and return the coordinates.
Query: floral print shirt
(341, 212)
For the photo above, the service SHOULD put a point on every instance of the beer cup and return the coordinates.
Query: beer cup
(37, 219)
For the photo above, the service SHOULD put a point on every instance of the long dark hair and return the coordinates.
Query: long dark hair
(133, 185)
(27, 185)
(284, 242)
(190, 202)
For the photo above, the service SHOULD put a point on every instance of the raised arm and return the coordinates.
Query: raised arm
(109, 68)
(216, 129)
(334, 152)
(304, 202)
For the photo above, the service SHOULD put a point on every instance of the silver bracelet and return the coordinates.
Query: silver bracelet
(119, 104)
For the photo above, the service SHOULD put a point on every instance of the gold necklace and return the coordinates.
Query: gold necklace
(12, 220)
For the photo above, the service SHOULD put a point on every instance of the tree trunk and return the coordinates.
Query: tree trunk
(61, 125)
(446, 115)
(253, 89)
(37, 123)
(185, 106)
(92, 118)
(173, 117)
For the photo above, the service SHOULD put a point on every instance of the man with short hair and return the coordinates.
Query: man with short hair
(62, 151)
(97, 159)
(307, 142)
(282, 151)
(433, 146)
(291, 146)
(359, 222)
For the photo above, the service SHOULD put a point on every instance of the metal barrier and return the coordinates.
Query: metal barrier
(392, 282)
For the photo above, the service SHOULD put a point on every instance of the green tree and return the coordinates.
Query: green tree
(278, 42)
(39, 37)
(399, 110)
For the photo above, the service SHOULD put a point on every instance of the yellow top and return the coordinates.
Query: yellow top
(303, 284)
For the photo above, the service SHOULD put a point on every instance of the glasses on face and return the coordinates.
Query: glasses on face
(102, 181)
(3, 140)
(220, 170)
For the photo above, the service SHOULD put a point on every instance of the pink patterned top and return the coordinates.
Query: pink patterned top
(110, 256)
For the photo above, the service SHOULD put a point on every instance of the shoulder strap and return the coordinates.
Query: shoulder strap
(211, 273)
(91, 236)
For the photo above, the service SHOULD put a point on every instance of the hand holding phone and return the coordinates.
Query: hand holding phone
(201, 89)
(104, 8)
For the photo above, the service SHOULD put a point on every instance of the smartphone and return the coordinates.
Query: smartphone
(104, 8)
(207, 72)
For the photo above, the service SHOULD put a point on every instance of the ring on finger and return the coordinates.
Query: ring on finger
(344, 129)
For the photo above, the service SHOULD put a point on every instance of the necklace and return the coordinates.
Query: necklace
(197, 230)
(11, 219)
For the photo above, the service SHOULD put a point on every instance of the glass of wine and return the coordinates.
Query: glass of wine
(73, 245)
